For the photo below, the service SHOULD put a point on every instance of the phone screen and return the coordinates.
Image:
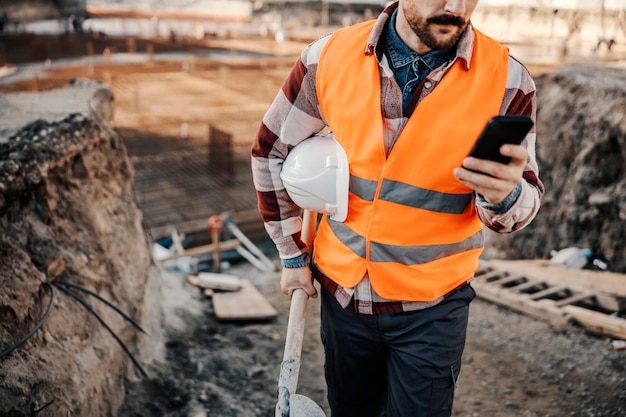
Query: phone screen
(498, 131)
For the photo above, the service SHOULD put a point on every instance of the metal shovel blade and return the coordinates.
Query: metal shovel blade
(301, 406)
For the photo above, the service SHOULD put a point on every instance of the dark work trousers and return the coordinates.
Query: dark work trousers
(394, 365)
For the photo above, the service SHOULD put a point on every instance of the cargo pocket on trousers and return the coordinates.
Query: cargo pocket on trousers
(442, 394)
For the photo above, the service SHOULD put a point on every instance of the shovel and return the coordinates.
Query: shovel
(289, 403)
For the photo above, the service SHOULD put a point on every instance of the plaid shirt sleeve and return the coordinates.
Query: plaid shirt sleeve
(519, 99)
(292, 117)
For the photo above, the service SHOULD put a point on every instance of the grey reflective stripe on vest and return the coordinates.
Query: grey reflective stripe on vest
(364, 189)
(406, 255)
(348, 237)
(411, 255)
(411, 196)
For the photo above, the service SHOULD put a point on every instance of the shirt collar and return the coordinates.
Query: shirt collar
(464, 48)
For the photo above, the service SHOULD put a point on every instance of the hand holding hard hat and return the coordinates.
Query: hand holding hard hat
(316, 176)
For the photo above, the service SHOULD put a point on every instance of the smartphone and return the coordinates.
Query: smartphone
(498, 131)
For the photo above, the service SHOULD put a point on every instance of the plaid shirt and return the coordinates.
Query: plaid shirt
(295, 116)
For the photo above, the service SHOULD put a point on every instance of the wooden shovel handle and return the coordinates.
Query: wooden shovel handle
(297, 315)
(309, 220)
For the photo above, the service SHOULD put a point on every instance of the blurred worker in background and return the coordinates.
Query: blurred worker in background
(406, 96)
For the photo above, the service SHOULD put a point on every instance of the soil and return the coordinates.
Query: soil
(67, 216)
(513, 365)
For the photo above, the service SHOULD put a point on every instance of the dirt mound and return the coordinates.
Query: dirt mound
(67, 215)
(581, 151)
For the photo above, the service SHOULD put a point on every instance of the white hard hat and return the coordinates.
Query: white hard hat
(316, 176)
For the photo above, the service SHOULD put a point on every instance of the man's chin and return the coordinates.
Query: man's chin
(446, 43)
(445, 37)
(439, 37)
(445, 29)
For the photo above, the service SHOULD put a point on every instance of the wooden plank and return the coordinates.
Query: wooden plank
(548, 291)
(249, 221)
(542, 311)
(490, 275)
(573, 299)
(222, 282)
(600, 322)
(609, 302)
(559, 312)
(246, 304)
(528, 285)
(607, 282)
(510, 279)
(204, 250)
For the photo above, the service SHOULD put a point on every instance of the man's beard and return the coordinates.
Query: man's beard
(425, 34)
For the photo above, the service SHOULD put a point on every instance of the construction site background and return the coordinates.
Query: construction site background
(84, 201)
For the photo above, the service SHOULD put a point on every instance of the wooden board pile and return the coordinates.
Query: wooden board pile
(234, 298)
(594, 300)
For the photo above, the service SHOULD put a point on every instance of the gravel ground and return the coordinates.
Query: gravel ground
(513, 365)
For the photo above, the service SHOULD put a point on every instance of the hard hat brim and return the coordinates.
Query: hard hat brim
(342, 186)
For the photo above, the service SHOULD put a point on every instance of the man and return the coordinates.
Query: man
(406, 96)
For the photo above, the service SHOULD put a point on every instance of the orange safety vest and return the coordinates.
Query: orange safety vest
(411, 225)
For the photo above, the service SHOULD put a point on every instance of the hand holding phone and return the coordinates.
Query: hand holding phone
(498, 131)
